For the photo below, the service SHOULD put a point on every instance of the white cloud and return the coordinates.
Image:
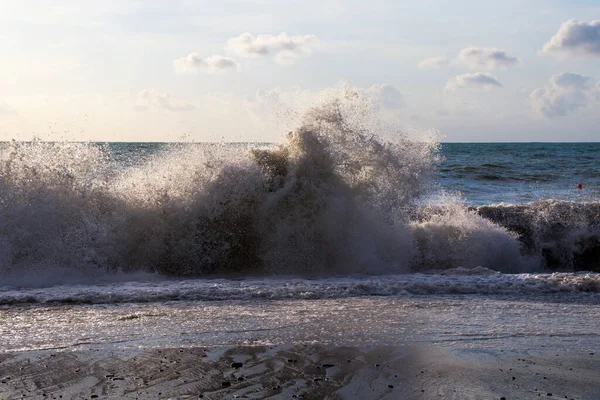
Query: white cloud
(433, 63)
(486, 58)
(575, 37)
(565, 93)
(193, 63)
(386, 96)
(567, 80)
(150, 98)
(478, 80)
(285, 49)
(275, 104)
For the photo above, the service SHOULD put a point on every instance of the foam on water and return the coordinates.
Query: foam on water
(474, 281)
(334, 198)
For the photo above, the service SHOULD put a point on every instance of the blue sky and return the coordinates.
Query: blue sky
(523, 70)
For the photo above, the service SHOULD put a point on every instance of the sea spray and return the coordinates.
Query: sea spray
(564, 234)
(448, 234)
(332, 198)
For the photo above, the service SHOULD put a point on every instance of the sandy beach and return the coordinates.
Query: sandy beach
(413, 347)
(300, 371)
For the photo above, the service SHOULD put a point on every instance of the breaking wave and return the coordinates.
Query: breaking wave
(458, 281)
(343, 193)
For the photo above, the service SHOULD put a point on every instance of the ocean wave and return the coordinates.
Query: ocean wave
(565, 234)
(334, 197)
(463, 281)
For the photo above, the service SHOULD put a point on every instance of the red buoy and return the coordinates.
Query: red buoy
(580, 186)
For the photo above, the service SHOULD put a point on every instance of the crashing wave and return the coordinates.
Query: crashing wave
(334, 197)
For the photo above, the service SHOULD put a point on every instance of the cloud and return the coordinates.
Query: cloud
(433, 63)
(285, 49)
(150, 98)
(386, 96)
(478, 80)
(193, 63)
(565, 93)
(575, 37)
(275, 104)
(288, 105)
(567, 80)
(486, 58)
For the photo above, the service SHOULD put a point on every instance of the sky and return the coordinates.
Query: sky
(232, 70)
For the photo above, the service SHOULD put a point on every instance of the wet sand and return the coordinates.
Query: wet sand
(299, 371)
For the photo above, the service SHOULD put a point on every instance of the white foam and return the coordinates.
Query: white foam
(457, 281)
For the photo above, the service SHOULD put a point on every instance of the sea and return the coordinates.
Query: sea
(337, 234)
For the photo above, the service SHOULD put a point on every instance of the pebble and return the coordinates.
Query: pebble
(236, 365)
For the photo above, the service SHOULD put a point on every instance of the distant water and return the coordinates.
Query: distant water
(489, 173)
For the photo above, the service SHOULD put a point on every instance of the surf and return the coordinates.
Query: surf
(343, 193)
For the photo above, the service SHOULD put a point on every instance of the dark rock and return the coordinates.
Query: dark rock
(237, 365)
(327, 365)
(225, 384)
(317, 379)
(391, 386)
(110, 375)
